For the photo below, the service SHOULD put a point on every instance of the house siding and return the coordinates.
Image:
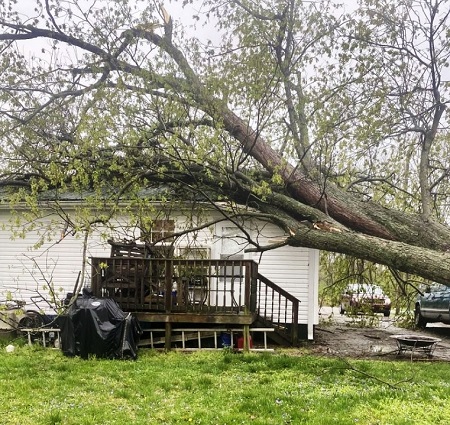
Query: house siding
(25, 271)
(295, 269)
(288, 267)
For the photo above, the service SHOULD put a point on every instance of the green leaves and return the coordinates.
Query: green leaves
(284, 97)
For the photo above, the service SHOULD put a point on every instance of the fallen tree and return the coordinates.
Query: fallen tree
(332, 128)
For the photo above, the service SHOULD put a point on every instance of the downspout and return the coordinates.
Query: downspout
(313, 292)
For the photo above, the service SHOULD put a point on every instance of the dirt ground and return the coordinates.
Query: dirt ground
(363, 337)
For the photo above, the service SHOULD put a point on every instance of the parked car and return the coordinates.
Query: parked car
(433, 306)
(362, 297)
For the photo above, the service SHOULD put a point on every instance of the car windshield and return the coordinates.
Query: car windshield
(439, 288)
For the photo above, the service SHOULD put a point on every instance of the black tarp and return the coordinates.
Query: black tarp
(98, 326)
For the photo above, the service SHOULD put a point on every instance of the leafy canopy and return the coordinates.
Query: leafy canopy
(331, 125)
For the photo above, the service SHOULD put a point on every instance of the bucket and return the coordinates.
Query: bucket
(225, 339)
(240, 342)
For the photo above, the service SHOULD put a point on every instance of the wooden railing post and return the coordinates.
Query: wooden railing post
(168, 285)
(253, 286)
(247, 289)
(295, 323)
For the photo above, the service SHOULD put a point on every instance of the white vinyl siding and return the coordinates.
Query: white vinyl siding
(23, 270)
(293, 269)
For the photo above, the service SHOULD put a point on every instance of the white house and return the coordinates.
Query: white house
(44, 258)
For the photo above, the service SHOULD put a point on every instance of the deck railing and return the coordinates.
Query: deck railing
(196, 286)
(203, 286)
(277, 307)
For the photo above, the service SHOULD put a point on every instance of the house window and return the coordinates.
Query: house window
(158, 235)
(194, 253)
(159, 231)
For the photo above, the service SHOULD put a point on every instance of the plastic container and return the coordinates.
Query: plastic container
(225, 339)
(240, 342)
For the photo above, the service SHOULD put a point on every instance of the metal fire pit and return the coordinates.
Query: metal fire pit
(412, 343)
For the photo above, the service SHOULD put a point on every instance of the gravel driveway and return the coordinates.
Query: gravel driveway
(364, 337)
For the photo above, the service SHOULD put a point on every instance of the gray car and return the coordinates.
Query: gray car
(433, 306)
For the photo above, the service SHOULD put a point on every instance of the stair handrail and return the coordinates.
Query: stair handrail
(273, 315)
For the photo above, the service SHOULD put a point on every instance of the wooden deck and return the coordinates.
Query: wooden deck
(181, 293)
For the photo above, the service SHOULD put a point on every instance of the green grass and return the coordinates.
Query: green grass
(42, 387)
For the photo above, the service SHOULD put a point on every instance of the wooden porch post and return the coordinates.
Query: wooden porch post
(251, 277)
(168, 337)
(246, 336)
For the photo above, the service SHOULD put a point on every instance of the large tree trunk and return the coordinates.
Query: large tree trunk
(365, 217)
(397, 255)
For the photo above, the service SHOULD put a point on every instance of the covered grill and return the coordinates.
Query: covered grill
(98, 326)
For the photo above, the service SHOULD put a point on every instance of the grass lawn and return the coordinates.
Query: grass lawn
(42, 387)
